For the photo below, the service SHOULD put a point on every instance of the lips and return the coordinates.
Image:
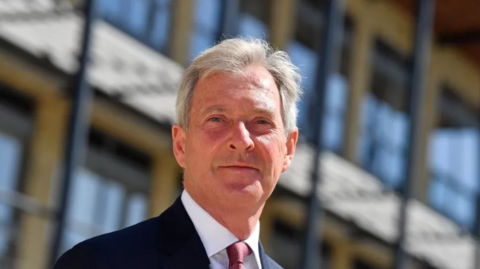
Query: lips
(239, 167)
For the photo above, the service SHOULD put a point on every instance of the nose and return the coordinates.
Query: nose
(240, 139)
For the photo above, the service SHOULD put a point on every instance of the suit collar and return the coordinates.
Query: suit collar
(214, 236)
(179, 239)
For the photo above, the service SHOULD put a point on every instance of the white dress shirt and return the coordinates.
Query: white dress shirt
(216, 238)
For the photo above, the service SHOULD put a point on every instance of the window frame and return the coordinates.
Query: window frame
(383, 57)
(122, 21)
(460, 114)
(17, 121)
(314, 16)
(102, 161)
(294, 231)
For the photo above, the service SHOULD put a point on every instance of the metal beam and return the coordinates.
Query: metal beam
(24, 203)
(425, 10)
(477, 220)
(461, 38)
(229, 19)
(78, 122)
(327, 53)
(151, 17)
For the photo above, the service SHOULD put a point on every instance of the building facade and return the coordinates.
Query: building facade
(140, 49)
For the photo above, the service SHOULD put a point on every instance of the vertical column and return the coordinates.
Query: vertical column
(44, 156)
(431, 112)
(78, 122)
(342, 255)
(425, 10)
(327, 57)
(229, 19)
(358, 86)
(181, 30)
(165, 176)
(283, 22)
(477, 220)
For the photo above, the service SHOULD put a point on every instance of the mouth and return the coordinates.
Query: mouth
(239, 167)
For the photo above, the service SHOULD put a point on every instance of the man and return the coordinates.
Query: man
(236, 133)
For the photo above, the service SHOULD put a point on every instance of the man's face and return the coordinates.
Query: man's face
(236, 147)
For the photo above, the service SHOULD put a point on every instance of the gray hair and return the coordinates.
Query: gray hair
(233, 56)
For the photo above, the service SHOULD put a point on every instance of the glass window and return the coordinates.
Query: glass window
(254, 18)
(206, 26)
(303, 54)
(10, 160)
(146, 20)
(109, 9)
(384, 124)
(110, 192)
(286, 245)
(15, 130)
(137, 19)
(253, 21)
(161, 24)
(454, 157)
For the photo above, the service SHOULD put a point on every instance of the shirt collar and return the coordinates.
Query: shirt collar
(214, 236)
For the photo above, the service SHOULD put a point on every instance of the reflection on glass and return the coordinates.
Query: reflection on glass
(136, 209)
(109, 8)
(254, 18)
(84, 189)
(137, 19)
(205, 26)
(454, 156)
(10, 149)
(114, 196)
(161, 26)
(335, 97)
(384, 141)
(100, 205)
(253, 27)
(134, 17)
(384, 126)
(10, 157)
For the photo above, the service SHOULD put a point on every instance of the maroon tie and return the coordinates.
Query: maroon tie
(236, 254)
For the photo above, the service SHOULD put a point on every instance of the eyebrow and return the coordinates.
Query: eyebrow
(217, 109)
(264, 111)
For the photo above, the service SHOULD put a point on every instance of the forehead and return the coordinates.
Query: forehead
(256, 80)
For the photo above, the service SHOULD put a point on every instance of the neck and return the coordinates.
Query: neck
(240, 221)
(240, 224)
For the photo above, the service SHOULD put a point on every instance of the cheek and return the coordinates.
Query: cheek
(273, 150)
(202, 145)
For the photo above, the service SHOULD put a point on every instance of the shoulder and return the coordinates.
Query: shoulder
(98, 251)
(83, 255)
(271, 263)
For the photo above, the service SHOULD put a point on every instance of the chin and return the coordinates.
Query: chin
(243, 194)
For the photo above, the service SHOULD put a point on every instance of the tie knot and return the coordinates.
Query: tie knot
(237, 253)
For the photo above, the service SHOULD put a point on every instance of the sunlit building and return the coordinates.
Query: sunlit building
(139, 51)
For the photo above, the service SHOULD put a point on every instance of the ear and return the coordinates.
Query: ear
(291, 144)
(179, 136)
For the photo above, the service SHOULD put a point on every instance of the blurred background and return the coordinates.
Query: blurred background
(381, 148)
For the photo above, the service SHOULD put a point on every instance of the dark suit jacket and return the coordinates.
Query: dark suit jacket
(167, 241)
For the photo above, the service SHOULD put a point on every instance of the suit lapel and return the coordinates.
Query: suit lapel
(263, 257)
(179, 239)
(191, 255)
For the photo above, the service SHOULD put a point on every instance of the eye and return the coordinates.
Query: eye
(215, 119)
(262, 122)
